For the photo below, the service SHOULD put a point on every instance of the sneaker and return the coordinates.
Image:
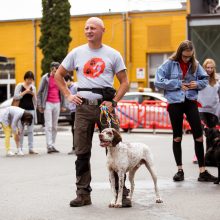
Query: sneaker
(55, 150)
(9, 154)
(179, 176)
(20, 153)
(51, 150)
(206, 177)
(195, 161)
(71, 152)
(32, 152)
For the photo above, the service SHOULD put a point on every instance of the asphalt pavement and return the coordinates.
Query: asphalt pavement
(39, 187)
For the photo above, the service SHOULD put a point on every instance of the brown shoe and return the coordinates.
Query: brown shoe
(81, 200)
(126, 202)
(72, 152)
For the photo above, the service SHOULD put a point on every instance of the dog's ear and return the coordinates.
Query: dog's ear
(117, 137)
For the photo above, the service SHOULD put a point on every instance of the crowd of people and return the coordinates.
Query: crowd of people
(184, 81)
(48, 100)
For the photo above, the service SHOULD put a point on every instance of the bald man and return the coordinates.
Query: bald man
(96, 65)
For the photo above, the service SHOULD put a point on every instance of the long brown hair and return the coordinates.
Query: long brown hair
(212, 76)
(185, 45)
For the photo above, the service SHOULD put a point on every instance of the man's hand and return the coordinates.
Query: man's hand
(76, 99)
(108, 104)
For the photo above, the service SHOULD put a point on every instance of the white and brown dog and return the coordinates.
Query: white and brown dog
(125, 157)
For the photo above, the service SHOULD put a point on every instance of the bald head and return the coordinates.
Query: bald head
(96, 21)
(94, 29)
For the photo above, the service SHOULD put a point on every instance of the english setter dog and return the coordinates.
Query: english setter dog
(125, 157)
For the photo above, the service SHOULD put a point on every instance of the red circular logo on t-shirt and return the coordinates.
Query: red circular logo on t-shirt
(94, 67)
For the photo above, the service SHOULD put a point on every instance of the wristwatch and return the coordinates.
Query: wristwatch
(114, 103)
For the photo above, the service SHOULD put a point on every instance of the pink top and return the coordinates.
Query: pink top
(53, 91)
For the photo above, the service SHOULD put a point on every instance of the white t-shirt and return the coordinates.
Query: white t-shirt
(95, 68)
(11, 116)
(209, 97)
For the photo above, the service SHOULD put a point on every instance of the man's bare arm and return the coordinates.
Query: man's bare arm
(60, 73)
(123, 88)
(124, 85)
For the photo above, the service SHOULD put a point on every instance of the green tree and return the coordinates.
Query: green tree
(55, 30)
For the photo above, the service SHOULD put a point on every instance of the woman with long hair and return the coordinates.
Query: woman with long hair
(181, 77)
(210, 96)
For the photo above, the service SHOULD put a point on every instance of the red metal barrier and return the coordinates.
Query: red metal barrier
(149, 114)
(128, 114)
(155, 115)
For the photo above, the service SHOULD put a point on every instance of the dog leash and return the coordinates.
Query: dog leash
(109, 116)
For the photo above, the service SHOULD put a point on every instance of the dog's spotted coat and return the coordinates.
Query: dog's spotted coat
(125, 157)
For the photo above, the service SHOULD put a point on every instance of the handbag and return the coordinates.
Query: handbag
(15, 102)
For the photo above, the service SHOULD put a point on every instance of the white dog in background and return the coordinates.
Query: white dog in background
(125, 157)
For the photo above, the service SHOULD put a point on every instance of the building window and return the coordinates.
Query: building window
(7, 79)
(154, 61)
(206, 40)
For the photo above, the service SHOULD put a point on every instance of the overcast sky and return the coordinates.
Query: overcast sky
(19, 9)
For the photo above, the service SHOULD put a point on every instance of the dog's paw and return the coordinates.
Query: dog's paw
(159, 200)
(118, 205)
(111, 205)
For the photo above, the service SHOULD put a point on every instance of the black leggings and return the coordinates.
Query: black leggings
(176, 113)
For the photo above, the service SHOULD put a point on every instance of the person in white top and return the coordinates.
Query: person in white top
(96, 64)
(209, 97)
(13, 119)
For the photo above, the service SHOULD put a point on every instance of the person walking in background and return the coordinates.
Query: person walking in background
(50, 101)
(13, 119)
(95, 64)
(26, 93)
(71, 106)
(181, 77)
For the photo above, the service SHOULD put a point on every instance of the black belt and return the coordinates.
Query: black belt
(93, 90)
(92, 102)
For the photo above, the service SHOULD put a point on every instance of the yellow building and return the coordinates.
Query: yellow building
(145, 40)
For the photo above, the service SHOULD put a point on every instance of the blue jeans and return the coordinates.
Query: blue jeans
(30, 133)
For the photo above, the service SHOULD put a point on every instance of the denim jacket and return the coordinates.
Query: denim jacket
(169, 77)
